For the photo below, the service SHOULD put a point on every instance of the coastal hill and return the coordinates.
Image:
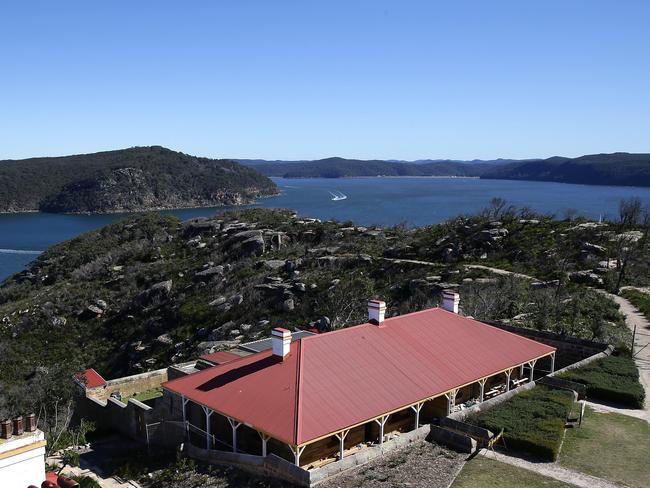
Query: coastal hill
(143, 293)
(623, 169)
(134, 179)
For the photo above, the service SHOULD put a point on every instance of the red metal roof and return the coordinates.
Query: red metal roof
(90, 378)
(220, 357)
(332, 381)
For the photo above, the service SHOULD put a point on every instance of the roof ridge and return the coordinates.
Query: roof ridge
(222, 365)
(297, 418)
(369, 324)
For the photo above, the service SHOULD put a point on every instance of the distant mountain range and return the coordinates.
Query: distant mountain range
(126, 180)
(622, 169)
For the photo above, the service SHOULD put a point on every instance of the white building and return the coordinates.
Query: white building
(22, 460)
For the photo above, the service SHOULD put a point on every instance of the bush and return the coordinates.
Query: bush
(612, 379)
(86, 482)
(71, 458)
(532, 422)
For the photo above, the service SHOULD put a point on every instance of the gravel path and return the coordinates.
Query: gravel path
(553, 470)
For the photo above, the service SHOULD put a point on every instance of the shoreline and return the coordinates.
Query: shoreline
(144, 210)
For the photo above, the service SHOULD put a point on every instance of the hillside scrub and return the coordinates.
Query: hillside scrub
(149, 291)
(611, 379)
(532, 422)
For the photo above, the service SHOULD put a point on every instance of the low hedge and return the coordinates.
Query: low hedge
(611, 379)
(532, 422)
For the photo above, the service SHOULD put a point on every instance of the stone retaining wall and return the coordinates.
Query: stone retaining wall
(472, 430)
(129, 385)
(270, 465)
(129, 418)
(570, 350)
(455, 440)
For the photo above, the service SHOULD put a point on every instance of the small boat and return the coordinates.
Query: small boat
(336, 196)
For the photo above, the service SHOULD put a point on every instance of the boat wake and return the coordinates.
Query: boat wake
(337, 195)
(18, 251)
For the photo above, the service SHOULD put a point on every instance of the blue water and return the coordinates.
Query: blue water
(387, 201)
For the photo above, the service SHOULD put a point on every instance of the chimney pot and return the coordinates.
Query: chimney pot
(281, 341)
(450, 301)
(6, 430)
(18, 426)
(30, 423)
(376, 311)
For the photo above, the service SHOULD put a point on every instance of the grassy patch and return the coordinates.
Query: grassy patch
(482, 472)
(639, 299)
(533, 422)
(612, 379)
(609, 446)
(143, 396)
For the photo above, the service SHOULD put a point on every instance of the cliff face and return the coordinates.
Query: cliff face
(127, 180)
(133, 189)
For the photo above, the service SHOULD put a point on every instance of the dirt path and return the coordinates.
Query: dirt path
(502, 272)
(498, 271)
(552, 470)
(642, 289)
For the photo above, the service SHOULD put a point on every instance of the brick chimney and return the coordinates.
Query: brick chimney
(30, 423)
(6, 429)
(18, 426)
(376, 311)
(450, 301)
(281, 340)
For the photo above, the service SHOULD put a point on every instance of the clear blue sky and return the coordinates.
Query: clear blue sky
(305, 79)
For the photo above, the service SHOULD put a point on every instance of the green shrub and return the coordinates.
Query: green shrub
(532, 422)
(611, 379)
(86, 482)
(71, 458)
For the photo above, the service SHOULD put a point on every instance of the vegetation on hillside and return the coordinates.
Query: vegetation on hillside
(151, 290)
(598, 169)
(132, 179)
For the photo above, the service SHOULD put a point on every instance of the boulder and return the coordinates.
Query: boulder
(200, 226)
(288, 305)
(164, 339)
(210, 272)
(217, 301)
(587, 277)
(57, 321)
(275, 264)
(159, 291)
(593, 248)
(246, 243)
(300, 287)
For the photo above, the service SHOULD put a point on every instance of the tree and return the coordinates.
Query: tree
(630, 211)
(498, 208)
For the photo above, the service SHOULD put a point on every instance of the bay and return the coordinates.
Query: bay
(370, 201)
